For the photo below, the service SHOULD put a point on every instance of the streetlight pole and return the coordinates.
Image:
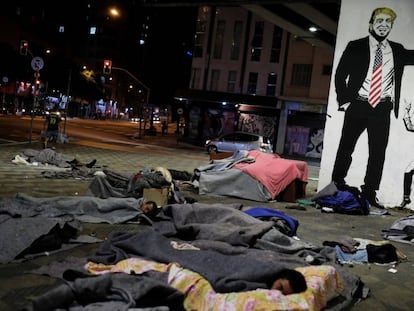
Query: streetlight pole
(35, 90)
(147, 89)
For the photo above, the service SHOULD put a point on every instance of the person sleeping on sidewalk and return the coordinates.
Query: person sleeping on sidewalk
(50, 157)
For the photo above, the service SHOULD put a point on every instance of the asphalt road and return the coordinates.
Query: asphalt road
(15, 128)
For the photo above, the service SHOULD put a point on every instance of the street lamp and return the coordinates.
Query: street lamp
(114, 12)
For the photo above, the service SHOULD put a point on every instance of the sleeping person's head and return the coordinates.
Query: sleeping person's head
(290, 281)
(149, 208)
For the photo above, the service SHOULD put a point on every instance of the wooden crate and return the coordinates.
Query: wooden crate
(295, 190)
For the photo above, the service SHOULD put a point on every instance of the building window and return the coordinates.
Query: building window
(218, 43)
(327, 70)
(92, 30)
(257, 42)
(301, 75)
(252, 84)
(215, 77)
(236, 42)
(276, 44)
(195, 78)
(231, 81)
(199, 38)
(61, 29)
(271, 84)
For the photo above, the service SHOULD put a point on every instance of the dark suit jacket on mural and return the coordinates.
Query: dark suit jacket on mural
(354, 65)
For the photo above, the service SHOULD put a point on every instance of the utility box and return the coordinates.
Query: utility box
(158, 195)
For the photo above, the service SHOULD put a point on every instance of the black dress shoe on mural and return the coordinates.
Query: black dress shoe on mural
(339, 183)
(405, 202)
(371, 197)
(375, 203)
(373, 200)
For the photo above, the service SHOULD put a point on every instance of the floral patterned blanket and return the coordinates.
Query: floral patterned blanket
(324, 284)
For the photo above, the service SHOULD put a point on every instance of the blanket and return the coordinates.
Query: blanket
(24, 218)
(232, 183)
(247, 270)
(123, 185)
(202, 239)
(195, 250)
(324, 283)
(47, 156)
(251, 175)
(274, 172)
(157, 284)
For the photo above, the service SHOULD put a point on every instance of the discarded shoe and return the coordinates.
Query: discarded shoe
(91, 164)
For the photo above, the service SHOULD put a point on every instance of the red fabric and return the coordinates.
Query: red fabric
(274, 172)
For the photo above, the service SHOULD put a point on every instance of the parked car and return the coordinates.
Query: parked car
(234, 141)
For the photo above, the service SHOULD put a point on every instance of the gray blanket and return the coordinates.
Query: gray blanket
(218, 178)
(247, 270)
(232, 183)
(47, 156)
(120, 185)
(24, 219)
(229, 262)
(82, 208)
(112, 292)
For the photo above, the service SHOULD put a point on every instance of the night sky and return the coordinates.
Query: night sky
(163, 63)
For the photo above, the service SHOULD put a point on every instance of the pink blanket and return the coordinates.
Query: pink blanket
(274, 172)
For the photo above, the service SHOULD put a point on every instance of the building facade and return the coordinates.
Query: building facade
(250, 74)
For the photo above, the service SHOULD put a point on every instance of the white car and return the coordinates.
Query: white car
(234, 141)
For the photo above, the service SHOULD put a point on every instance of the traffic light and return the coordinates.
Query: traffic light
(24, 46)
(107, 66)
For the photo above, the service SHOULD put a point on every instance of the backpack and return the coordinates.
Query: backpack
(346, 200)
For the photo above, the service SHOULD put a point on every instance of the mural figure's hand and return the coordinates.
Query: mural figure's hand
(344, 107)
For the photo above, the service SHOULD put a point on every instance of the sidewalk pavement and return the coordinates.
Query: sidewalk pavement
(389, 291)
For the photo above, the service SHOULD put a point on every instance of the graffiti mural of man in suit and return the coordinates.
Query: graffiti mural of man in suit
(365, 62)
(409, 171)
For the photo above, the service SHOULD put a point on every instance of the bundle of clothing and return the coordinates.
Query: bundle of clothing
(356, 250)
(123, 185)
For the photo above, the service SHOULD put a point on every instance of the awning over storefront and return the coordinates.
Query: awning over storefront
(220, 97)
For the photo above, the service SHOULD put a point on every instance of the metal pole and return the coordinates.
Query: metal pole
(67, 102)
(32, 116)
(34, 100)
(144, 86)
(33, 105)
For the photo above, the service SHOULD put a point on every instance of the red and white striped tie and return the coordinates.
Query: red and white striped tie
(374, 96)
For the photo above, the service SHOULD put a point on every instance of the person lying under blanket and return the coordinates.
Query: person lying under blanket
(50, 157)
